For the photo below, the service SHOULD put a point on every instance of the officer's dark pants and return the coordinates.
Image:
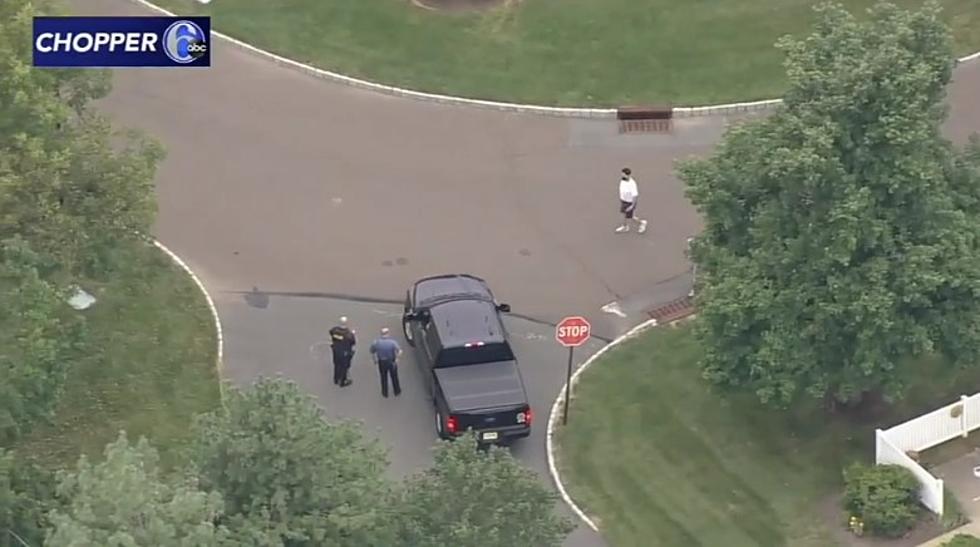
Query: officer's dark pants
(386, 369)
(341, 364)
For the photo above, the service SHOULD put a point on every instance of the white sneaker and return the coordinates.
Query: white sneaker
(622, 229)
(643, 226)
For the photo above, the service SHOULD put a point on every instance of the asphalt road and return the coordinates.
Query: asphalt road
(287, 335)
(404, 423)
(286, 184)
(289, 183)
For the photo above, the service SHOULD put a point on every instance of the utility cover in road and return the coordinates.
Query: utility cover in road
(573, 331)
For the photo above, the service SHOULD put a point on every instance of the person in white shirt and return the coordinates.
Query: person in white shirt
(628, 194)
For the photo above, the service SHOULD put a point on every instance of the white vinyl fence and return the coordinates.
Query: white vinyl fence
(931, 491)
(893, 445)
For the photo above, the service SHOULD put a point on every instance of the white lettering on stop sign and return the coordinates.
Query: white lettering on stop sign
(573, 331)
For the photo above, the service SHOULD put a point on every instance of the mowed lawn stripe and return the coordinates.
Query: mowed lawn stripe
(659, 459)
(551, 52)
(717, 499)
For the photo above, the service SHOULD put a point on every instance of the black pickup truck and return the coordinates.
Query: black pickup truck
(468, 366)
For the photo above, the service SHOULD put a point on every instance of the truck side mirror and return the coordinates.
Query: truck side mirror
(417, 315)
(503, 308)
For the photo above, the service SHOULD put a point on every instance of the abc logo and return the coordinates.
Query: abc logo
(197, 48)
(184, 42)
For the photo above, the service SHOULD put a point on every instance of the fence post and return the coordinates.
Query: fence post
(878, 435)
(940, 489)
(963, 421)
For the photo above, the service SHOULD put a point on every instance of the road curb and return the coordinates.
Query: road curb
(563, 112)
(207, 297)
(731, 108)
(757, 106)
(398, 91)
(555, 412)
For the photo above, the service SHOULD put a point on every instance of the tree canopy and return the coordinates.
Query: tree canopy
(841, 231)
(289, 477)
(269, 471)
(277, 462)
(124, 501)
(478, 498)
(26, 496)
(69, 184)
(38, 336)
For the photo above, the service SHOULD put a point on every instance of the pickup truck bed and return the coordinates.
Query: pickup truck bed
(481, 387)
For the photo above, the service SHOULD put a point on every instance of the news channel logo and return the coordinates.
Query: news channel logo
(184, 42)
(106, 42)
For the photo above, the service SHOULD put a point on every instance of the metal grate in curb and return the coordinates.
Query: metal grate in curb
(672, 311)
(645, 126)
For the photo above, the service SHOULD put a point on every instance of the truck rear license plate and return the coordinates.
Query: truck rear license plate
(490, 436)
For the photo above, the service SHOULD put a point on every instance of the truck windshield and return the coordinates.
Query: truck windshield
(490, 353)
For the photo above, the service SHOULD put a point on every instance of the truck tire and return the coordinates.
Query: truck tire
(408, 333)
(440, 425)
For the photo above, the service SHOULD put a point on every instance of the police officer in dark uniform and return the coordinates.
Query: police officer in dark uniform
(342, 342)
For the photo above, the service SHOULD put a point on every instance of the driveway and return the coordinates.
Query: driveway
(299, 200)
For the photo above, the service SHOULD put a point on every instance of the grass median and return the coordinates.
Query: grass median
(553, 52)
(149, 368)
(661, 460)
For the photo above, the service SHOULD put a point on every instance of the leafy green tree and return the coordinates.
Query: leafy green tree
(478, 498)
(37, 103)
(38, 336)
(842, 231)
(124, 501)
(26, 496)
(286, 473)
(68, 183)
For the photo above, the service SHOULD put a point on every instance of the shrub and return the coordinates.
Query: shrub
(963, 540)
(953, 516)
(884, 497)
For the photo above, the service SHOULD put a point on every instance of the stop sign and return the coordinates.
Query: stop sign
(573, 331)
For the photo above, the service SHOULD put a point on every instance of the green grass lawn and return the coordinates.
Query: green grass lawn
(151, 368)
(555, 52)
(660, 460)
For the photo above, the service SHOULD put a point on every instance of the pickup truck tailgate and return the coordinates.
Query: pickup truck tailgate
(481, 387)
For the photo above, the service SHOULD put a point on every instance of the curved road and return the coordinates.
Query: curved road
(297, 201)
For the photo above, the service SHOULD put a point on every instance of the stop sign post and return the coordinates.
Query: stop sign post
(571, 332)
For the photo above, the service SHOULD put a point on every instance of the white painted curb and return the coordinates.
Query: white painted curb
(678, 111)
(207, 297)
(398, 91)
(754, 106)
(556, 411)
(731, 108)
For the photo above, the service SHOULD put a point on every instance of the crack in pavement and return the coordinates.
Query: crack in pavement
(319, 294)
(260, 299)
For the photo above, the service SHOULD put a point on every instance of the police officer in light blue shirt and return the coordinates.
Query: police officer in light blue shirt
(386, 352)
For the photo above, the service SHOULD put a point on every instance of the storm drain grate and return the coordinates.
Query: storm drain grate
(672, 311)
(645, 126)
